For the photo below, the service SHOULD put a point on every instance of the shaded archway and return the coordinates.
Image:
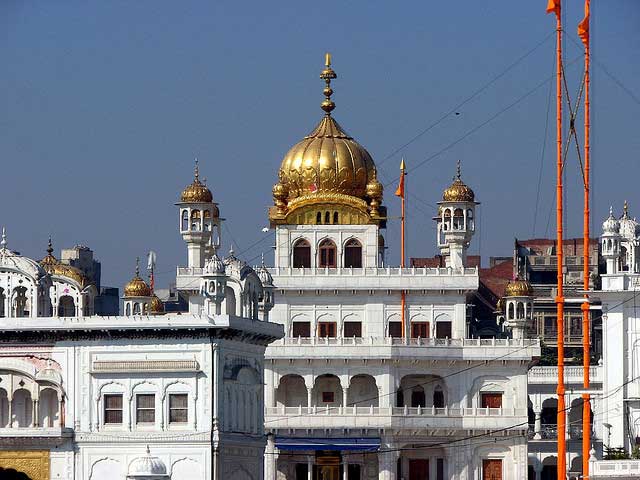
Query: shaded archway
(421, 391)
(362, 391)
(22, 408)
(66, 307)
(327, 391)
(327, 254)
(353, 254)
(291, 392)
(49, 410)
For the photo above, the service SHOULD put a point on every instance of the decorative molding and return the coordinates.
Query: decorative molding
(137, 366)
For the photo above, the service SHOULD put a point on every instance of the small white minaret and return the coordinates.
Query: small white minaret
(213, 285)
(199, 221)
(518, 295)
(456, 222)
(611, 242)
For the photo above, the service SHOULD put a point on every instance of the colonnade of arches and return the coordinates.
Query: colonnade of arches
(25, 403)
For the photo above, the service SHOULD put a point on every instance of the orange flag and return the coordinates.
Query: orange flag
(400, 189)
(583, 26)
(554, 6)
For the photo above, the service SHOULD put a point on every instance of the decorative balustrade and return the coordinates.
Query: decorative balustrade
(357, 272)
(372, 411)
(572, 374)
(550, 432)
(391, 341)
(614, 469)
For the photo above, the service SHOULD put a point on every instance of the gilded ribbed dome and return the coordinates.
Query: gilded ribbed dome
(328, 168)
(458, 191)
(327, 160)
(518, 288)
(137, 287)
(196, 192)
(53, 266)
(155, 305)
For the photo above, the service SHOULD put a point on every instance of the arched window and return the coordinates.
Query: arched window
(195, 220)
(302, 254)
(335, 217)
(20, 302)
(327, 254)
(353, 254)
(446, 225)
(136, 308)
(127, 309)
(319, 218)
(458, 219)
(438, 397)
(520, 311)
(185, 221)
(470, 219)
(66, 307)
(327, 218)
(510, 311)
(207, 220)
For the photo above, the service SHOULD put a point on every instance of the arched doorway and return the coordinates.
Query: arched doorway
(11, 474)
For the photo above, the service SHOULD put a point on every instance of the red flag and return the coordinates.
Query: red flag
(554, 6)
(583, 26)
(400, 189)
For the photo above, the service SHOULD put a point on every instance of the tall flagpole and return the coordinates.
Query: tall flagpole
(402, 253)
(555, 6)
(583, 31)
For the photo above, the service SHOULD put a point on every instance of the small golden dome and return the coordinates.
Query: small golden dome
(53, 266)
(518, 288)
(458, 191)
(197, 192)
(155, 305)
(327, 167)
(137, 287)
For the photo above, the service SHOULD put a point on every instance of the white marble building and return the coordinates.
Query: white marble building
(145, 395)
(361, 388)
(621, 345)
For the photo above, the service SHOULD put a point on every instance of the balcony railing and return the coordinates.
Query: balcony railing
(395, 411)
(391, 341)
(572, 374)
(550, 432)
(356, 272)
(615, 469)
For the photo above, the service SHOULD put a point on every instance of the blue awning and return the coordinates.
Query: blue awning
(352, 444)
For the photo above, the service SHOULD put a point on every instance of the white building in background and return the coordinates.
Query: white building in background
(353, 392)
(621, 345)
(145, 395)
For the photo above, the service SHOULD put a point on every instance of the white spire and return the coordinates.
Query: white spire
(3, 243)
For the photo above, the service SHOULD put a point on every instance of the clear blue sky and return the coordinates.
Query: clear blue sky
(105, 104)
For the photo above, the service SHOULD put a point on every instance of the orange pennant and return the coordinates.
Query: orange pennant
(400, 189)
(554, 6)
(583, 26)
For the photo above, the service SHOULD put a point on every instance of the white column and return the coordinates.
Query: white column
(387, 463)
(345, 470)
(309, 467)
(538, 423)
(270, 458)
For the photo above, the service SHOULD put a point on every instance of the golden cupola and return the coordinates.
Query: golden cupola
(156, 307)
(196, 192)
(137, 287)
(518, 288)
(327, 171)
(458, 191)
(55, 267)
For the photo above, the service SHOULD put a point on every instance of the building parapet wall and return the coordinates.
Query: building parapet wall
(387, 347)
(572, 374)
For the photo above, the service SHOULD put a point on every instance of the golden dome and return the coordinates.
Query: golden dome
(518, 288)
(458, 191)
(137, 287)
(53, 266)
(197, 192)
(155, 305)
(327, 167)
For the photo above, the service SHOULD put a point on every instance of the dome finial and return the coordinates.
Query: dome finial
(196, 172)
(49, 247)
(625, 208)
(327, 75)
(137, 267)
(611, 210)
(3, 243)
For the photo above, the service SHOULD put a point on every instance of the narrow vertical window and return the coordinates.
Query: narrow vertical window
(178, 408)
(302, 254)
(145, 408)
(327, 254)
(113, 409)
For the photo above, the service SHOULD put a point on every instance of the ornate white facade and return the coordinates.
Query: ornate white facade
(620, 416)
(145, 395)
(359, 388)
